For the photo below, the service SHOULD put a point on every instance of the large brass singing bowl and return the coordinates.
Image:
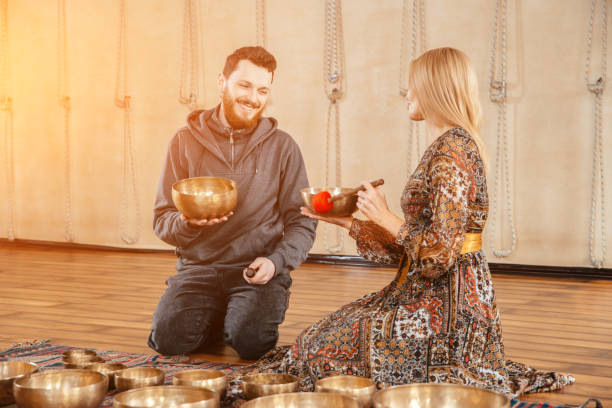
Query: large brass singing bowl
(360, 388)
(110, 369)
(174, 396)
(439, 396)
(342, 207)
(9, 372)
(61, 389)
(137, 377)
(213, 380)
(303, 400)
(205, 197)
(259, 385)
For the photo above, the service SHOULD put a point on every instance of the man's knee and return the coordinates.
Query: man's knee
(179, 333)
(251, 341)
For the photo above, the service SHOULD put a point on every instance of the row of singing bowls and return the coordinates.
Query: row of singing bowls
(9, 372)
(343, 207)
(70, 388)
(175, 396)
(205, 197)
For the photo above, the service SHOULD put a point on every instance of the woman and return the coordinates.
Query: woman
(437, 321)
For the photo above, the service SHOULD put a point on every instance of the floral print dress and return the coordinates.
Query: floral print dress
(437, 321)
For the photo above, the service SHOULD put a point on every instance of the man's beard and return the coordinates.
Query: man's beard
(233, 118)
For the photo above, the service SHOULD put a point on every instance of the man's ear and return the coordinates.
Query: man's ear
(220, 82)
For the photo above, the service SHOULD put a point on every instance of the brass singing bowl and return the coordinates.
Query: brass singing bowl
(259, 385)
(213, 380)
(343, 207)
(9, 372)
(81, 361)
(439, 396)
(360, 388)
(78, 353)
(205, 197)
(137, 377)
(303, 400)
(110, 369)
(174, 396)
(61, 388)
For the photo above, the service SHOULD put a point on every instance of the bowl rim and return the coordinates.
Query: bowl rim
(439, 385)
(202, 370)
(17, 385)
(163, 387)
(306, 394)
(246, 378)
(28, 363)
(321, 381)
(231, 191)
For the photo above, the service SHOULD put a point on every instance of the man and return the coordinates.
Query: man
(211, 296)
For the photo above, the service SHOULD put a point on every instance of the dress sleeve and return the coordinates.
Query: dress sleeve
(435, 246)
(375, 243)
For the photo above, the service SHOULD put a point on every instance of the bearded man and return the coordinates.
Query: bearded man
(210, 297)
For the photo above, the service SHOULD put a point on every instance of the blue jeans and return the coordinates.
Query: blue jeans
(199, 307)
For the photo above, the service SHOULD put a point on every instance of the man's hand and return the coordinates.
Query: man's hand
(265, 271)
(203, 222)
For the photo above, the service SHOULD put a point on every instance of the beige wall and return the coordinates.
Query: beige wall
(550, 115)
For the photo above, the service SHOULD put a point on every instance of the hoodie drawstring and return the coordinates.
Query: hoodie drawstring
(259, 149)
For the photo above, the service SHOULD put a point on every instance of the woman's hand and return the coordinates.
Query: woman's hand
(373, 204)
(341, 221)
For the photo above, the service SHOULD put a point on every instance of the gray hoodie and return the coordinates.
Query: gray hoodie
(269, 172)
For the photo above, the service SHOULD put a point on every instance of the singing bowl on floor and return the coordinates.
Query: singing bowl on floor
(439, 396)
(82, 361)
(137, 377)
(259, 385)
(110, 369)
(174, 396)
(342, 208)
(205, 197)
(79, 353)
(61, 389)
(360, 388)
(213, 380)
(303, 400)
(9, 372)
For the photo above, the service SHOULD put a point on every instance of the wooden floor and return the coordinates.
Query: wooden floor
(105, 300)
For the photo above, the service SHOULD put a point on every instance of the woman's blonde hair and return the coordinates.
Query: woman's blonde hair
(445, 86)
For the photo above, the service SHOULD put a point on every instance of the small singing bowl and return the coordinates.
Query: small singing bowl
(303, 400)
(343, 207)
(78, 353)
(137, 377)
(110, 369)
(259, 385)
(81, 361)
(205, 197)
(9, 372)
(213, 380)
(175, 396)
(61, 388)
(439, 396)
(360, 388)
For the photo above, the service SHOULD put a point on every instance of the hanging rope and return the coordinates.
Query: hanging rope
(333, 73)
(597, 89)
(6, 105)
(64, 102)
(260, 21)
(128, 170)
(498, 95)
(189, 89)
(417, 47)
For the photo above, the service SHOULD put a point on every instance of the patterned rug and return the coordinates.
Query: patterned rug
(49, 356)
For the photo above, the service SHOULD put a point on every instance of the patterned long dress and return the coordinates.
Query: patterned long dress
(437, 321)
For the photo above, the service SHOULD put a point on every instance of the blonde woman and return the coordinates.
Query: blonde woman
(437, 321)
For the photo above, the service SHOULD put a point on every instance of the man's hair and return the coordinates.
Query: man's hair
(257, 55)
